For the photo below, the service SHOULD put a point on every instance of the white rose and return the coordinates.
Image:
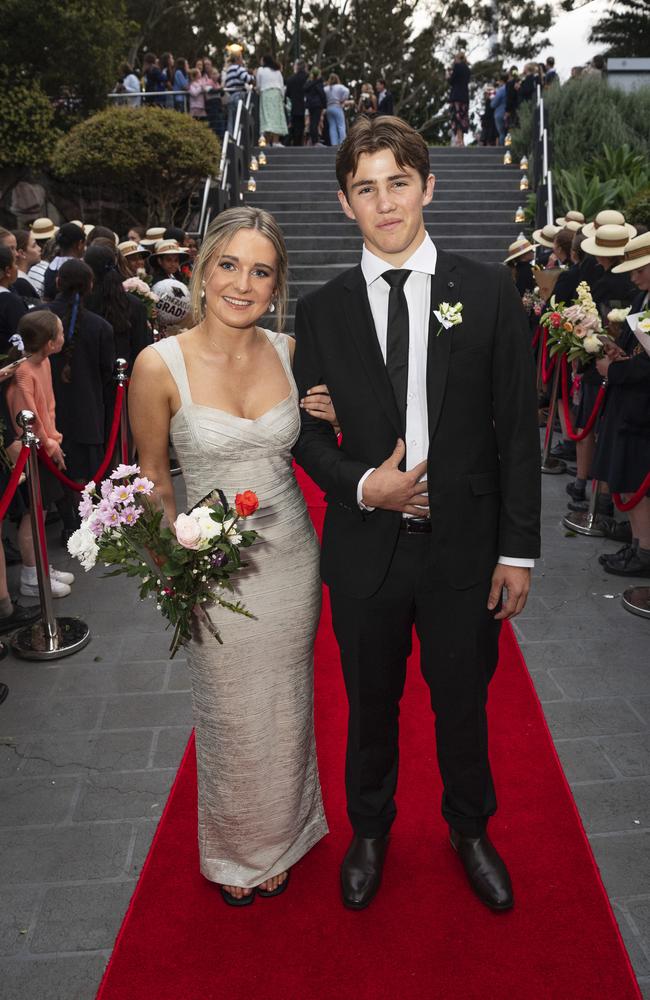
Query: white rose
(592, 344)
(208, 526)
(83, 546)
(618, 315)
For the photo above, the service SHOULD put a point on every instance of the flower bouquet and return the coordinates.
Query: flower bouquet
(533, 302)
(182, 569)
(142, 291)
(574, 330)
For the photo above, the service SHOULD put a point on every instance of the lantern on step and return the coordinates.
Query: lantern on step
(523, 163)
(262, 142)
(520, 215)
(254, 165)
(507, 158)
(252, 186)
(523, 183)
(508, 140)
(261, 159)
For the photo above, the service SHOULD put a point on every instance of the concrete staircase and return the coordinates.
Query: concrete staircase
(472, 211)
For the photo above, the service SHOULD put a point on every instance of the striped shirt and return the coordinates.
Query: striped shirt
(236, 78)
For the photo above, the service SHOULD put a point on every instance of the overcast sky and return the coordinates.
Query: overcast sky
(569, 37)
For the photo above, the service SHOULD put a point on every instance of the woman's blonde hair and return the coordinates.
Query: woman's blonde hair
(333, 79)
(220, 232)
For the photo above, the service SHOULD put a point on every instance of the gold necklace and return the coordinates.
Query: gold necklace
(237, 357)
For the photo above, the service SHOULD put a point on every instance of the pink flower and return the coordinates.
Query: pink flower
(106, 489)
(556, 320)
(129, 515)
(121, 494)
(124, 471)
(142, 485)
(85, 506)
(580, 330)
(95, 525)
(107, 514)
(188, 532)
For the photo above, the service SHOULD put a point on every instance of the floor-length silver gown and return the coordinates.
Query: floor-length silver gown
(260, 806)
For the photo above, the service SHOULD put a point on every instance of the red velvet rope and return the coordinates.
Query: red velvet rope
(103, 469)
(571, 433)
(14, 479)
(635, 499)
(546, 372)
(536, 337)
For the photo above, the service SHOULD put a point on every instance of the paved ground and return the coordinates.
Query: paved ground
(89, 747)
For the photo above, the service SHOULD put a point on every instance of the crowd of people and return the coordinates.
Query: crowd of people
(612, 257)
(305, 107)
(73, 299)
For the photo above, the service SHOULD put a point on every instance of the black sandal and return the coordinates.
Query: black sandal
(237, 901)
(274, 892)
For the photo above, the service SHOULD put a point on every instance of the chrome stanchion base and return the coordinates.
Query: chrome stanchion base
(553, 466)
(637, 600)
(35, 643)
(584, 523)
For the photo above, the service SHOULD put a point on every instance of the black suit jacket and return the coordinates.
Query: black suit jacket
(483, 474)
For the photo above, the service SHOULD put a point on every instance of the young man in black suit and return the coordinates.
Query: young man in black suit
(433, 495)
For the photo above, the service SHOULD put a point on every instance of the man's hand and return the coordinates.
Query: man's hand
(516, 580)
(391, 489)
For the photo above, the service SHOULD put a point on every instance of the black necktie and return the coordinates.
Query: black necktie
(397, 339)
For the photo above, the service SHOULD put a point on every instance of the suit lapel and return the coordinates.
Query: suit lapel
(362, 328)
(445, 287)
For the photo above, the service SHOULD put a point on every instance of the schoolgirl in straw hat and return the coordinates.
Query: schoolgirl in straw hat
(520, 255)
(608, 218)
(608, 245)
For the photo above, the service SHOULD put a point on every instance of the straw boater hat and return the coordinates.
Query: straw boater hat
(607, 241)
(152, 236)
(608, 218)
(43, 229)
(130, 247)
(637, 254)
(86, 226)
(572, 225)
(518, 249)
(546, 235)
(165, 247)
(571, 217)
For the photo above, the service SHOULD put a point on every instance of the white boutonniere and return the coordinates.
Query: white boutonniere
(448, 315)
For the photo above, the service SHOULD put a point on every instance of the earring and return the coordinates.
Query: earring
(272, 307)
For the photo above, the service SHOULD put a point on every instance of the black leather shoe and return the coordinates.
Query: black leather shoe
(485, 869)
(20, 616)
(362, 869)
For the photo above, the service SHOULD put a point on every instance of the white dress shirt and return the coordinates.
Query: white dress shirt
(417, 289)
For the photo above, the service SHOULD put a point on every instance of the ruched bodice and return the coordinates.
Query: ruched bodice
(260, 806)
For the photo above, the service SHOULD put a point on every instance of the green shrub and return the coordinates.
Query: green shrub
(589, 195)
(27, 135)
(150, 155)
(637, 209)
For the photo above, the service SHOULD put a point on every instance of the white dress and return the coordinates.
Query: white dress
(260, 805)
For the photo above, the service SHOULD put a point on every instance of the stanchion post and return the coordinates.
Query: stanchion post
(586, 522)
(122, 378)
(49, 638)
(637, 600)
(552, 466)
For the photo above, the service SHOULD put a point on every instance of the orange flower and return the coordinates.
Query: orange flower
(568, 326)
(246, 503)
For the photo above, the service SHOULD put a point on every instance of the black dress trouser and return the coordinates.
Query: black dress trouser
(459, 650)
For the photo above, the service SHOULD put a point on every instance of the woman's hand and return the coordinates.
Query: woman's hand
(58, 457)
(318, 403)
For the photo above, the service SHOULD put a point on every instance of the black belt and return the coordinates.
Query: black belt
(416, 525)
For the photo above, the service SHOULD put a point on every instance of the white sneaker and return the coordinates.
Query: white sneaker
(58, 589)
(61, 576)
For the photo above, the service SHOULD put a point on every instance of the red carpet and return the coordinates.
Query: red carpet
(425, 937)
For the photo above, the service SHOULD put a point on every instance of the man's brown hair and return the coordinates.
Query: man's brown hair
(369, 135)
